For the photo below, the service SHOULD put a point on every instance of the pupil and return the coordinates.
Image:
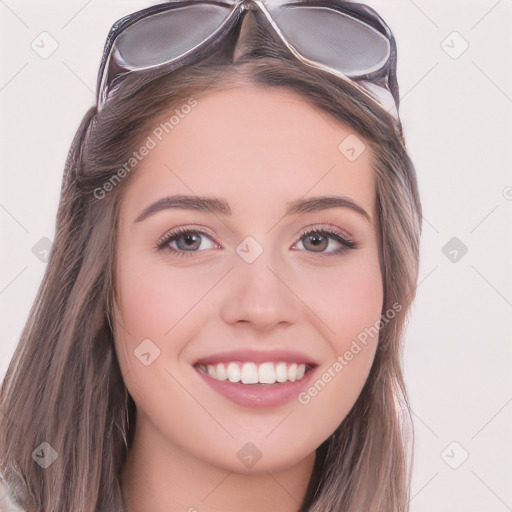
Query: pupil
(191, 242)
(317, 241)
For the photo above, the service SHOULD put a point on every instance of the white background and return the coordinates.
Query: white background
(457, 115)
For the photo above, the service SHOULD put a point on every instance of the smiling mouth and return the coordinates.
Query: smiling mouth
(256, 373)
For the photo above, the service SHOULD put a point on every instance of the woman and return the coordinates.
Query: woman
(236, 252)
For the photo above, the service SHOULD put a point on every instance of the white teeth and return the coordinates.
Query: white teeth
(249, 373)
(233, 372)
(292, 372)
(281, 372)
(252, 373)
(266, 373)
(221, 372)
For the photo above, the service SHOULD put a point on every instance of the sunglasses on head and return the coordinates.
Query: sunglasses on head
(347, 39)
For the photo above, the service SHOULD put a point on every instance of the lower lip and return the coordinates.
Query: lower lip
(258, 395)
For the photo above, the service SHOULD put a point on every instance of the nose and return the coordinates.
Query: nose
(259, 294)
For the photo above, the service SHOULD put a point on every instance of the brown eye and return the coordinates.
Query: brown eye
(316, 242)
(186, 242)
(325, 241)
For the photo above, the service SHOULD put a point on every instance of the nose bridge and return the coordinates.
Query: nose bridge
(257, 292)
(255, 261)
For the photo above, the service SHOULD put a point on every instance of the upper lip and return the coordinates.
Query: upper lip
(257, 356)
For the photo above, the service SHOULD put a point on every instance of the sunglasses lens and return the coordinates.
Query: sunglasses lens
(334, 39)
(165, 36)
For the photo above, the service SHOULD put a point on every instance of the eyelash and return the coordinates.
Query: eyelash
(166, 239)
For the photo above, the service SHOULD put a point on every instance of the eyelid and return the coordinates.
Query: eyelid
(327, 228)
(178, 230)
(341, 236)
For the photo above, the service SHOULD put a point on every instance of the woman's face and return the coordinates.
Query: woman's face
(255, 274)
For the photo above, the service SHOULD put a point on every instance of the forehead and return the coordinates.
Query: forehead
(256, 147)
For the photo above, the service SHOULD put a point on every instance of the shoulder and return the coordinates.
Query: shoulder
(7, 502)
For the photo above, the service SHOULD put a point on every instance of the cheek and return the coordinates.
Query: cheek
(160, 303)
(353, 303)
(347, 298)
(158, 312)
(153, 297)
(348, 302)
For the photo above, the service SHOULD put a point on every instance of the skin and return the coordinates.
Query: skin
(258, 149)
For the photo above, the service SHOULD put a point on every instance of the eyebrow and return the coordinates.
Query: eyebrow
(221, 206)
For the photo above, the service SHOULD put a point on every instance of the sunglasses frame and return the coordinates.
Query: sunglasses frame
(111, 74)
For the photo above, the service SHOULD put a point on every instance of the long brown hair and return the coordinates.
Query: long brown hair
(64, 386)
